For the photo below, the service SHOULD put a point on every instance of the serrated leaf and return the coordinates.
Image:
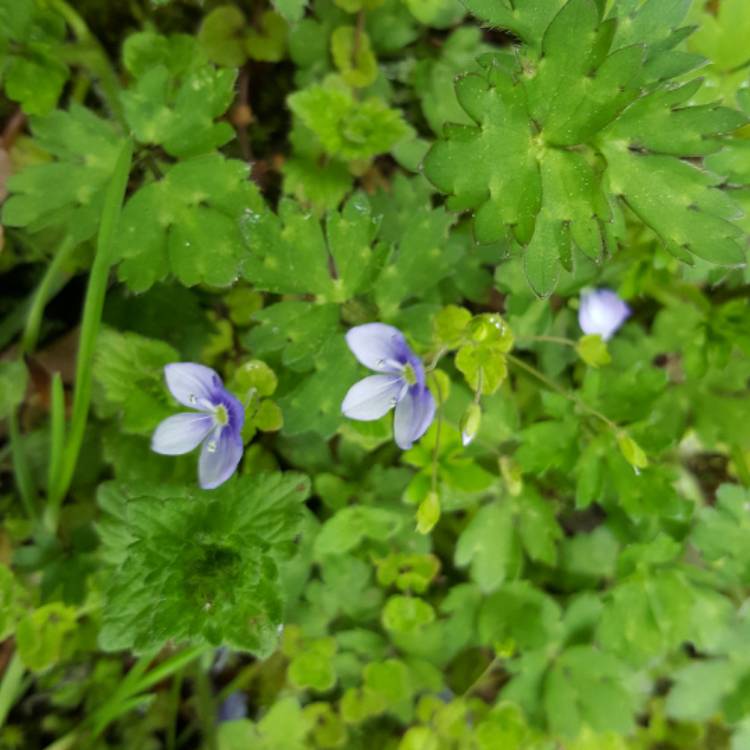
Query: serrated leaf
(199, 566)
(67, 192)
(129, 369)
(179, 113)
(407, 614)
(592, 349)
(188, 224)
(42, 633)
(350, 526)
(290, 253)
(346, 127)
(526, 18)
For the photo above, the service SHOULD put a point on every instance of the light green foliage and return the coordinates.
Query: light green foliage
(406, 614)
(42, 634)
(353, 56)
(313, 666)
(12, 602)
(192, 566)
(31, 69)
(67, 191)
(130, 372)
(350, 526)
(188, 224)
(346, 127)
(592, 349)
(527, 114)
(408, 572)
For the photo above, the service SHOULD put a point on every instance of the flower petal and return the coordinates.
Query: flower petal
(181, 433)
(414, 414)
(603, 312)
(372, 397)
(219, 458)
(192, 385)
(380, 347)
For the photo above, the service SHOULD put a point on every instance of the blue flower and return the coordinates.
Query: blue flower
(234, 707)
(216, 422)
(602, 312)
(401, 383)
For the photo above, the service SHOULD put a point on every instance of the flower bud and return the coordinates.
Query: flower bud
(470, 422)
(603, 312)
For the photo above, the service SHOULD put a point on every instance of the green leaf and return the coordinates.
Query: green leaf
(69, 191)
(292, 10)
(13, 381)
(291, 253)
(631, 451)
(592, 349)
(722, 35)
(220, 36)
(32, 70)
(482, 359)
(314, 404)
(450, 326)
(434, 79)
(178, 112)
(198, 566)
(722, 534)
(527, 19)
(298, 329)
(347, 127)
(188, 224)
(700, 220)
(490, 166)
(269, 42)
(314, 667)
(353, 56)
(646, 616)
(129, 370)
(520, 615)
(588, 687)
(406, 614)
(13, 603)
(490, 545)
(350, 526)
(428, 513)
(42, 633)
(438, 13)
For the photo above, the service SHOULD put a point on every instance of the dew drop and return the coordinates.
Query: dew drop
(394, 401)
(211, 446)
(380, 363)
(192, 398)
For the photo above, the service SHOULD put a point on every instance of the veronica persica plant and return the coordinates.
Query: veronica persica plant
(216, 422)
(400, 383)
(602, 312)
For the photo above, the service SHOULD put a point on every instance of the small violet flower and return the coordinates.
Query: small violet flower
(233, 708)
(603, 312)
(401, 383)
(216, 422)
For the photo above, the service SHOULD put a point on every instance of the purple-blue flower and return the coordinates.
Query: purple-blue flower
(400, 384)
(216, 422)
(603, 312)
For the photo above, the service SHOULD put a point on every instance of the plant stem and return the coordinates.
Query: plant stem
(92, 313)
(43, 294)
(438, 428)
(559, 389)
(551, 340)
